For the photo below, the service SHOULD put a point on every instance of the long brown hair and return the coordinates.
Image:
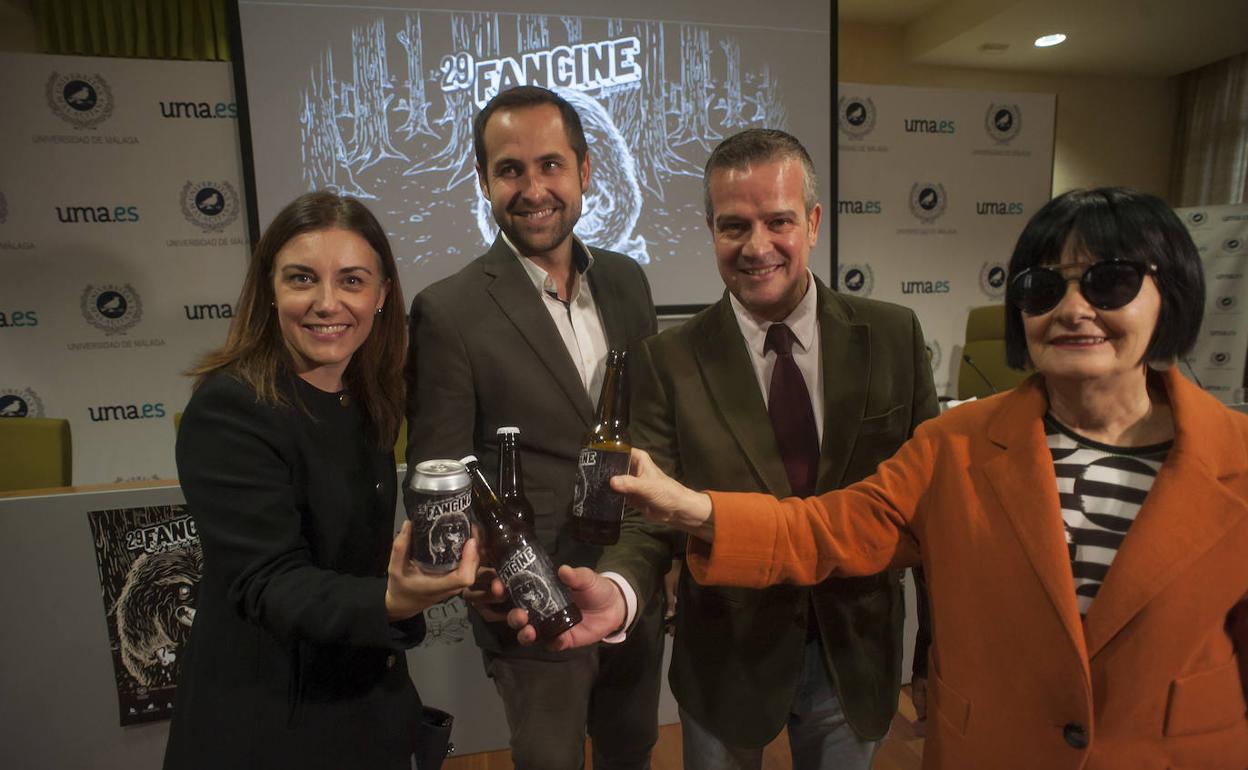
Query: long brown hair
(255, 351)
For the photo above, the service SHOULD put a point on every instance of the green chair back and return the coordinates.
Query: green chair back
(35, 453)
(985, 346)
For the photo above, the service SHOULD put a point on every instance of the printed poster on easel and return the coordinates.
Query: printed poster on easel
(149, 563)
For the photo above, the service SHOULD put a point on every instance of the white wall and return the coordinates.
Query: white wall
(1110, 131)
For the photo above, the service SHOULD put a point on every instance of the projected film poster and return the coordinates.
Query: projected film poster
(149, 562)
(379, 104)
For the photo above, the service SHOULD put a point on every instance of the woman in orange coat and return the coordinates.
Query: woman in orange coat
(1085, 536)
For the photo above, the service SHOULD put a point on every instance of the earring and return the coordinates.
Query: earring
(378, 311)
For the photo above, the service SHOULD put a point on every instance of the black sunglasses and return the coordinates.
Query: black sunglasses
(1107, 285)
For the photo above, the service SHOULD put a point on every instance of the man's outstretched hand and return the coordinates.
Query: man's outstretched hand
(663, 499)
(602, 611)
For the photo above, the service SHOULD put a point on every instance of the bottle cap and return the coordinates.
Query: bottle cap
(510, 430)
(468, 459)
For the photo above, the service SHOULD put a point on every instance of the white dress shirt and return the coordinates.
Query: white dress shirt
(804, 322)
(580, 327)
(578, 321)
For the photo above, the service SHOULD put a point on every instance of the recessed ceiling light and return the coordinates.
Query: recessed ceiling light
(1046, 41)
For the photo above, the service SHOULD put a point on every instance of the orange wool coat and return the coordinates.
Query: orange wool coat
(1152, 679)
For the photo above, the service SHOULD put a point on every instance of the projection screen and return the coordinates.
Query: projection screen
(377, 101)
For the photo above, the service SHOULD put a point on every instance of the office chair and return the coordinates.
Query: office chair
(35, 453)
(982, 370)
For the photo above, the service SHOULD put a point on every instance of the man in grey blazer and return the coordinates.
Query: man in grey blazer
(519, 337)
(783, 387)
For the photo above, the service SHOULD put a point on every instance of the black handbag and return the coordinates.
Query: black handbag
(433, 738)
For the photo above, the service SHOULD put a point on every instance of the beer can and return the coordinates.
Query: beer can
(438, 500)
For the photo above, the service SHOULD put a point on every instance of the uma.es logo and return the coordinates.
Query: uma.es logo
(859, 207)
(925, 287)
(856, 116)
(999, 208)
(18, 319)
(110, 308)
(208, 311)
(20, 403)
(1003, 122)
(76, 215)
(83, 101)
(857, 280)
(210, 206)
(928, 126)
(119, 412)
(199, 110)
(928, 201)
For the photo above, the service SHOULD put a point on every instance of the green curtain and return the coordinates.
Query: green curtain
(143, 29)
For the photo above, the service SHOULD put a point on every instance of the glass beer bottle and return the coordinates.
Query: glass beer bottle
(521, 563)
(511, 482)
(596, 508)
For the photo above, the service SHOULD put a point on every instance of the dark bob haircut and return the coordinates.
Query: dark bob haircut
(519, 98)
(1117, 223)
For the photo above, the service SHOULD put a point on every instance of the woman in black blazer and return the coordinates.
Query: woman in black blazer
(285, 456)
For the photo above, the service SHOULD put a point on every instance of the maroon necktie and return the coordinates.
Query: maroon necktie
(792, 419)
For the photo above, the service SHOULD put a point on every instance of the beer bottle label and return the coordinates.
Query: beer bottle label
(530, 579)
(440, 527)
(593, 497)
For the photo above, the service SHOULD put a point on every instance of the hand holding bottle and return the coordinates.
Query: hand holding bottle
(602, 611)
(521, 563)
(596, 508)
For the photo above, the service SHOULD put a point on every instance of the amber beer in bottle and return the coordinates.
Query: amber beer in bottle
(521, 563)
(511, 482)
(596, 508)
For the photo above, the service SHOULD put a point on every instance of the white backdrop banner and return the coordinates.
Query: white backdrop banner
(1221, 235)
(123, 246)
(935, 187)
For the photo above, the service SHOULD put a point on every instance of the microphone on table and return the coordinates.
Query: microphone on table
(978, 371)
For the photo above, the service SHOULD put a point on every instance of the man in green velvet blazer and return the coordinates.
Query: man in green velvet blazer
(824, 661)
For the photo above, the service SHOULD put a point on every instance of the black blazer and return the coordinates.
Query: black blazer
(291, 661)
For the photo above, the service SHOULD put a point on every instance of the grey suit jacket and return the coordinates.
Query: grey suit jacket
(484, 354)
(737, 657)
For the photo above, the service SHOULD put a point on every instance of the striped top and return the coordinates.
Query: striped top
(1101, 489)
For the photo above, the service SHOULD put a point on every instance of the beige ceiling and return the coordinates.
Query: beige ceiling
(1154, 38)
